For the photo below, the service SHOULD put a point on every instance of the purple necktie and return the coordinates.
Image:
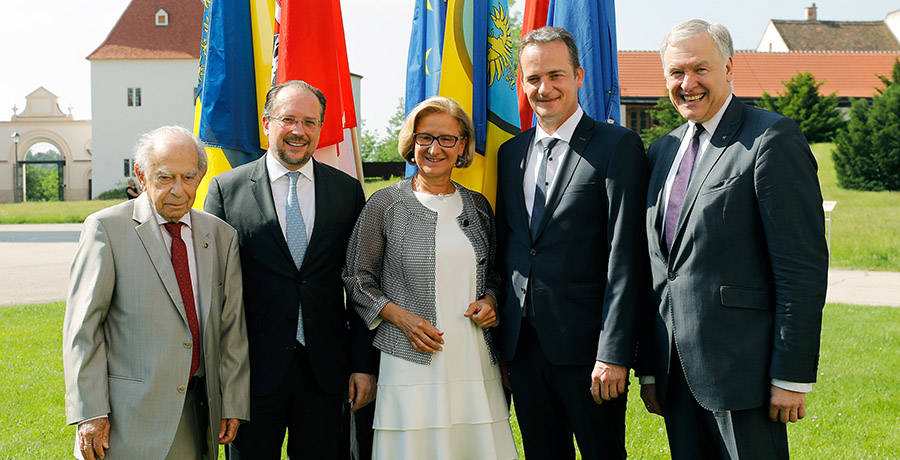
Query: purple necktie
(680, 185)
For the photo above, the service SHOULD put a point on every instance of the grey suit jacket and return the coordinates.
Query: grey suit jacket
(126, 341)
(741, 293)
(587, 264)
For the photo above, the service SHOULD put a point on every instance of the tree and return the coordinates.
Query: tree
(375, 149)
(41, 184)
(892, 80)
(818, 116)
(867, 156)
(665, 118)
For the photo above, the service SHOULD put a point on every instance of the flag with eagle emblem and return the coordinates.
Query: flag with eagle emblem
(462, 49)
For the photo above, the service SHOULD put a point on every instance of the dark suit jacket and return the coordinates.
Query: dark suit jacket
(274, 288)
(742, 292)
(587, 264)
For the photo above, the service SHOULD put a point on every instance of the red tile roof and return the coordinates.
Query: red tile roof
(136, 35)
(848, 74)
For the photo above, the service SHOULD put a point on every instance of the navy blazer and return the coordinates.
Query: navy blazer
(741, 293)
(587, 264)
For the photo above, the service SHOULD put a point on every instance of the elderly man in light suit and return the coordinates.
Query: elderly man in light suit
(154, 339)
(739, 262)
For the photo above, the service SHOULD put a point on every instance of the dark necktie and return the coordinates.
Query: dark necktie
(183, 275)
(295, 229)
(541, 185)
(680, 185)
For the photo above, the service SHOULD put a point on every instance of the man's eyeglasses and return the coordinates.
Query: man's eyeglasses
(290, 122)
(445, 140)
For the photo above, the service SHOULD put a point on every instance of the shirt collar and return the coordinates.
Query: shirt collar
(710, 125)
(186, 218)
(276, 169)
(565, 130)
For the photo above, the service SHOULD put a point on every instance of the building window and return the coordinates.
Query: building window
(162, 18)
(129, 167)
(134, 97)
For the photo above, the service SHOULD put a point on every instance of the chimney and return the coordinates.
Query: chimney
(810, 12)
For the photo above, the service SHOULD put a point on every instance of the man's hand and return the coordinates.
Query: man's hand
(608, 381)
(504, 374)
(483, 312)
(228, 428)
(786, 406)
(93, 438)
(361, 391)
(651, 402)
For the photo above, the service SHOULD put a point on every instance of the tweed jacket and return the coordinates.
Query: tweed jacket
(390, 258)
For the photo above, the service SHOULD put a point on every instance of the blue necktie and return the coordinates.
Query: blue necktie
(680, 185)
(541, 185)
(295, 228)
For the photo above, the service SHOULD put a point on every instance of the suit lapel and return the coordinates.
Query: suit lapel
(518, 179)
(323, 195)
(570, 161)
(728, 126)
(204, 251)
(151, 238)
(261, 189)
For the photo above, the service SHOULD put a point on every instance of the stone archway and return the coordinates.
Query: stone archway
(43, 171)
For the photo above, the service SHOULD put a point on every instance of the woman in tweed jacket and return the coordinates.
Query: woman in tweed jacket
(420, 270)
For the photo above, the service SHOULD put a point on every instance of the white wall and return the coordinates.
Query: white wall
(893, 22)
(771, 41)
(166, 99)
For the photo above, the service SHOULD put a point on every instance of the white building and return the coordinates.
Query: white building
(811, 34)
(143, 76)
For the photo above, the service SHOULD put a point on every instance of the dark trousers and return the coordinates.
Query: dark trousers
(699, 434)
(311, 416)
(554, 402)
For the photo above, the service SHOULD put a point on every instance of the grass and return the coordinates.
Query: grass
(853, 412)
(374, 184)
(865, 225)
(51, 212)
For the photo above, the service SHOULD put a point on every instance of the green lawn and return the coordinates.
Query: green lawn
(853, 413)
(51, 212)
(866, 225)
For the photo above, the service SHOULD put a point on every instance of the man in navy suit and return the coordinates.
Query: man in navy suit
(570, 209)
(294, 216)
(739, 263)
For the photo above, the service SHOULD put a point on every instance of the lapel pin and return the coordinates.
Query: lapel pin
(205, 245)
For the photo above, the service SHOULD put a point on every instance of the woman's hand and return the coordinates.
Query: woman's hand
(422, 335)
(483, 312)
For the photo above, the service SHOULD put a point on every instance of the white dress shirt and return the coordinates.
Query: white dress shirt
(709, 127)
(306, 192)
(564, 133)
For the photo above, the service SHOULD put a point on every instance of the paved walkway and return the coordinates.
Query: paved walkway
(34, 267)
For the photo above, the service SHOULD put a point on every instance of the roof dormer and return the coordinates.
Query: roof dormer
(162, 18)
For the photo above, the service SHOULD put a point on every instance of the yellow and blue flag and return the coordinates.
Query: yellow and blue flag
(235, 74)
(462, 49)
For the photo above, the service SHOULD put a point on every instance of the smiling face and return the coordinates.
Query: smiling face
(551, 83)
(293, 145)
(171, 180)
(697, 79)
(434, 161)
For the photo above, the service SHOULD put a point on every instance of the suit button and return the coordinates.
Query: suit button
(182, 388)
(534, 252)
(482, 261)
(187, 344)
(465, 222)
(672, 276)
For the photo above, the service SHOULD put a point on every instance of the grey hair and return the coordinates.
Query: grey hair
(546, 35)
(269, 106)
(693, 28)
(145, 156)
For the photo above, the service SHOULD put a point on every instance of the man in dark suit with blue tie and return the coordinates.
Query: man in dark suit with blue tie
(739, 263)
(294, 216)
(570, 207)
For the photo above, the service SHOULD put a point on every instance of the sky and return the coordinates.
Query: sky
(44, 43)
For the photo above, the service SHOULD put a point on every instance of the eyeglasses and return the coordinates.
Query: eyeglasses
(445, 140)
(290, 122)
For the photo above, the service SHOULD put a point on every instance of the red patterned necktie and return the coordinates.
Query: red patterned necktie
(183, 275)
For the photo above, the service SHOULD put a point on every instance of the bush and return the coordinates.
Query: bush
(817, 115)
(114, 194)
(867, 156)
